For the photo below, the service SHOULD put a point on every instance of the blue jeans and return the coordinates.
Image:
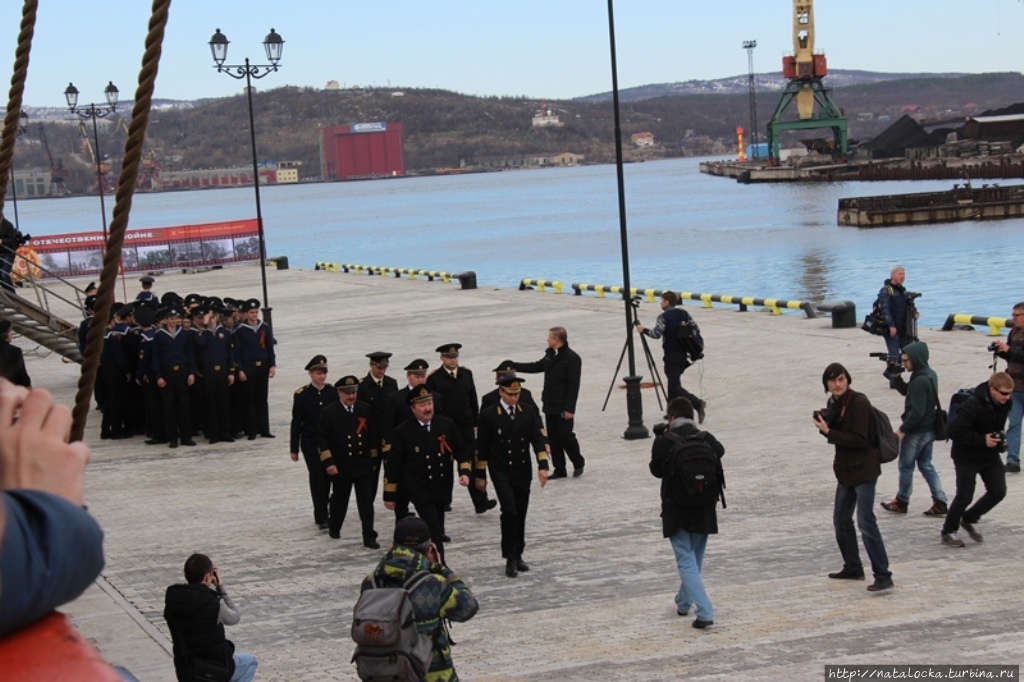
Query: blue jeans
(916, 449)
(861, 498)
(245, 667)
(689, 548)
(1013, 428)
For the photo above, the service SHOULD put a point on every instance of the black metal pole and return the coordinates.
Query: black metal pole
(99, 171)
(256, 185)
(634, 400)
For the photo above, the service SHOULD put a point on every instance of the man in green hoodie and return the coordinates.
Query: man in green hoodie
(917, 430)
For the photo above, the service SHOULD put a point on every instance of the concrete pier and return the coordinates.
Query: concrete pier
(597, 602)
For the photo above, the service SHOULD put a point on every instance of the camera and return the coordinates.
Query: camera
(911, 295)
(993, 348)
(1001, 437)
(825, 414)
(660, 428)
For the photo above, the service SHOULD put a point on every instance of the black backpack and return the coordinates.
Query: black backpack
(874, 322)
(696, 478)
(688, 336)
(882, 438)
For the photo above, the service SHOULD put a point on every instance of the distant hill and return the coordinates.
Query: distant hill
(445, 129)
(763, 82)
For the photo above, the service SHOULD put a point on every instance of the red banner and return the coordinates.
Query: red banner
(184, 246)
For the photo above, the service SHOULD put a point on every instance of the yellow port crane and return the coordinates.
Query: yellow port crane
(804, 71)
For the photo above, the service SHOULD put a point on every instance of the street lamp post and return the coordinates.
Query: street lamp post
(93, 111)
(274, 45)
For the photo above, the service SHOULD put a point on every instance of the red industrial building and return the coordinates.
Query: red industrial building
(362, 150)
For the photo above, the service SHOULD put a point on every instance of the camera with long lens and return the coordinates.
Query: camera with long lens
(826, 414)
(911, 295)
(1001, 437)
(993, 348)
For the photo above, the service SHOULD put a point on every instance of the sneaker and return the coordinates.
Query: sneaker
(896, 507)
(847, 574)
(937, 509)
(972, 531)
(1013, 467)
(951, 540)
(880, 584)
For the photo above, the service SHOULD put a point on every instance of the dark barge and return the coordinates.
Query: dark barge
(963, 202)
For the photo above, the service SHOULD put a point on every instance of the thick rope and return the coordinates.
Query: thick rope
(122, 208)
(13, 118)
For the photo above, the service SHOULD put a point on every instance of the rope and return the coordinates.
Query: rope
(13, 118)
(122, 207)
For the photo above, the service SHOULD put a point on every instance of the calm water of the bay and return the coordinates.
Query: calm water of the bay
(687, 232)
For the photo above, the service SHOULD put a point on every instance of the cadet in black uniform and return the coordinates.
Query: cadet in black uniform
(146, 296)
(458, 391)
(307, 405)
(175, 369)
(114, 376)
(254, 349)
(216, 360)
(418, 463)
(348, 451)
(507, 430)
(146, 379)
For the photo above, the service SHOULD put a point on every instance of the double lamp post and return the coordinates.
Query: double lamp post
(93, 112)
(274, 45)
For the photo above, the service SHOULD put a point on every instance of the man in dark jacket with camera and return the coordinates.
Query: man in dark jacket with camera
(687, 527)
(978, 438)
(846, 422)
(676, 359)
(893, 302)
(196, 614)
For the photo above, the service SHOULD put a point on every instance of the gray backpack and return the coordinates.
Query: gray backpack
(388, 645)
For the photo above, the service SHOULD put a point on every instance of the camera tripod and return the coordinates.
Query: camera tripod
(659, 387)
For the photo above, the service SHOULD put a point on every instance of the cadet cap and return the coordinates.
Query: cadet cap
(417, 366)
(318, 362)
(379, 357)
(251, 304)
(145, 280)
(348, 384)
(419, 394)
(144, 315)
(511, 384)
(450, 350)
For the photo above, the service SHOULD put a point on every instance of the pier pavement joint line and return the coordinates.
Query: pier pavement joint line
(995, 324)
(743, 302)
(122, 602)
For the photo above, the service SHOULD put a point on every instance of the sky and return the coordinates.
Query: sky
(541, 49)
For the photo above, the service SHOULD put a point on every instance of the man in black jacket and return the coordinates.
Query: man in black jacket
(977, 435)
(1012, 350)
(196, 614)
(686, 527)
(307, 405)
(675, 358)
(562, 369)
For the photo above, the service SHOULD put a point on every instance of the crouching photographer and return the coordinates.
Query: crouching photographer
(845, 422)
(978, 438)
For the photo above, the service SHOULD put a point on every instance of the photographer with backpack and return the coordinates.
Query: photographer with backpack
(676, 357)
(386, 649)
(846, 423)
(688, 462)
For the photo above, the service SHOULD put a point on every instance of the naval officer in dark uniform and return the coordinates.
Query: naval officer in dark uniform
(348, 452)
(418, 463)
(374, 389)
(507, 430)
(458, 390)
(396, 410)
(307, 405)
